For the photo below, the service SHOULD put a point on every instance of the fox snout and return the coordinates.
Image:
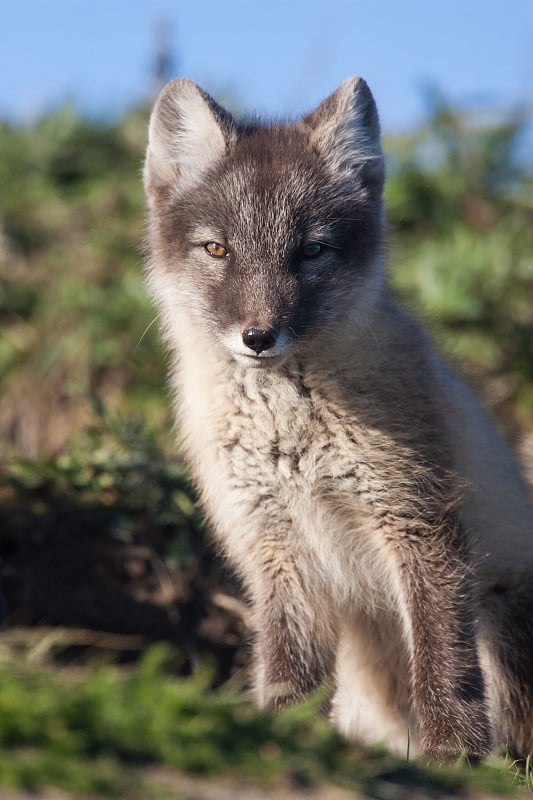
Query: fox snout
(256, 344)
(259, 339)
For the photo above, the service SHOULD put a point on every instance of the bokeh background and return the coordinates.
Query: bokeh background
(101, 550)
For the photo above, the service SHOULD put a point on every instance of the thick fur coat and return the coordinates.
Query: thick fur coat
(379, 525)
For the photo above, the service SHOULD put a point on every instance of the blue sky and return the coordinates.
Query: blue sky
(273, 57)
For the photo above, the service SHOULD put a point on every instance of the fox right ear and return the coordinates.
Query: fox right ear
(188, 133)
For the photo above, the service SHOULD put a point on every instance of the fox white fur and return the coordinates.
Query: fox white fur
(379, 525)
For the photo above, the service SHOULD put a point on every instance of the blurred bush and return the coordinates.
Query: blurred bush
(460, 205)
(75, 319)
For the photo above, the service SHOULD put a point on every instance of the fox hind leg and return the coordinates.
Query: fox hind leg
(370, 703)
(507, 647)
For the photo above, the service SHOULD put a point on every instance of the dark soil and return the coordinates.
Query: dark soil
(63, 565)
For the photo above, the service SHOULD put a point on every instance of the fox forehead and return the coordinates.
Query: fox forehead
(270, 185)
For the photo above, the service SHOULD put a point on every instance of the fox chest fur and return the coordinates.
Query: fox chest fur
(380, 527)
(274, 459)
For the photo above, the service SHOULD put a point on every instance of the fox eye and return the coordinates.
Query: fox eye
(216, 250)
(311, 249)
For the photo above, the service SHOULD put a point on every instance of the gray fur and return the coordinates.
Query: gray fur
(379, 525)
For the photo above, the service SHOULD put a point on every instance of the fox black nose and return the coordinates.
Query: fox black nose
(259, 339)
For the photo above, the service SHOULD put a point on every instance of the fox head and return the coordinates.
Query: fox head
(265, 237)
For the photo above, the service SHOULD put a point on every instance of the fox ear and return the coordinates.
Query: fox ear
(345, 128)
(188, 133)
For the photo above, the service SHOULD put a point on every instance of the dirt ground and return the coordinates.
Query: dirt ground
(61, 568)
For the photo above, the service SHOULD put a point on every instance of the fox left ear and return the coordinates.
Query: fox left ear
(345, 128)
(188, 133)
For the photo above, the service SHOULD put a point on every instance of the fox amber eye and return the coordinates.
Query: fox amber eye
(311, 249)
(216, 250)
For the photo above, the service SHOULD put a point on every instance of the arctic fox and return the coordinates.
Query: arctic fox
(379, 525)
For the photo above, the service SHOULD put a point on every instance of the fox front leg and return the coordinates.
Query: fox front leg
(448, 694)
(294, 644)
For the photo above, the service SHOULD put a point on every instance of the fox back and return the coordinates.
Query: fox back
(379, 525)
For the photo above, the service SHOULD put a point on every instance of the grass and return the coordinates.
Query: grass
(85, 733)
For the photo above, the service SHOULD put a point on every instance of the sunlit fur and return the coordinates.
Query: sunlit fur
(381, 530)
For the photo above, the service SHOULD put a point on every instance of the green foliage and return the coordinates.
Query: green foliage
(476, 293)
(116, 479)
(460, 213)
(74, 313)
(84, 735)
(459, 165)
